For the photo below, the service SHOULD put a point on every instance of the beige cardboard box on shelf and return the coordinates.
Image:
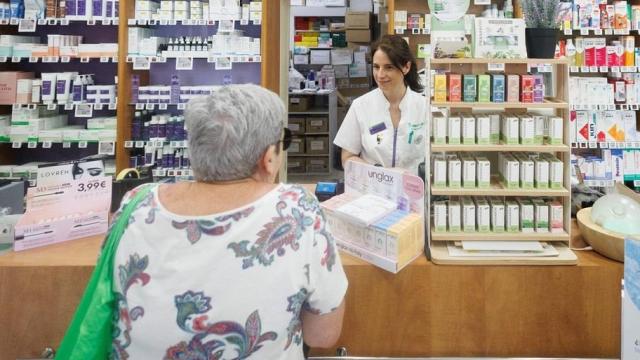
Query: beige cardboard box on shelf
(358, 35)
(379, 218)
(357, 20)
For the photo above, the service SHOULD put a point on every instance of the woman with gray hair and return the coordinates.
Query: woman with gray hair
(231, 265)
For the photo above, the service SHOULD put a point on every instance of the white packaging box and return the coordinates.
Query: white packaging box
(526, 216)
(527, 130)
(439, 130)
(494, 132)
(320, 57)
(439, 171)
(483, 171)
(301, 59)
(497, 215)
(556, 217)
(510, 129)
(454, 172)
(556, 173)
(582, 126)
(573, 127)
(511, 172)
(135, 37)
(609, 126)
(483, 129)
(483, 215)
(556, 133)
(468, 172)
(541, 216)
(439, 216)
(468, 129)
(541, 174)
(629, 121)
(527, 172)
(538, 124)
(380, 242)
(454, 216)
(454, 125)
(468, 215)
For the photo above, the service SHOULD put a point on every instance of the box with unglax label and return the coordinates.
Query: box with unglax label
(468, 129)
(541, 215)
(468, 171)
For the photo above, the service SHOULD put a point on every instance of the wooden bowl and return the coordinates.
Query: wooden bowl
(605, 242)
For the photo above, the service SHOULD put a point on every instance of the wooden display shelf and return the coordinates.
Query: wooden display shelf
(500, 61)
(547, 104)
(462, 236)
(499, 147)
(497, 189)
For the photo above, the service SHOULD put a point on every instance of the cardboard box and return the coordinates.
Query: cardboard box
(317, 144)
(357, 20)
(297, 125)
(298, 104)
(9, 85)
(358, 35)
(320, 57)
(296, 165)
(297, 146)
(317, 164)
(317, 124)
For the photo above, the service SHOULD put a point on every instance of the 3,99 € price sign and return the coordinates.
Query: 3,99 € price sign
(91, 185)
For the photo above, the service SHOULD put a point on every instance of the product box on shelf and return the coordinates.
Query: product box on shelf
(468, 214)
(358, 35)
(317, 145)
(513, 88)
(357, 20)
(468, 129)
(454, 172)
(455, 88)
(497, 215)
(439, 129)
(299, 104)
(526, 215)
(9, 85)
(498, 88)
(454, 129)
(469, 88)
(439, 216)
(455, 216)
(483, 129)
(379, 216)
(317, 124)
(439, 171)
(484, 88)
(440, 88)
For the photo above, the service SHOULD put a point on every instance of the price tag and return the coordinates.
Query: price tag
(593, 145)
(608, 31)
(568, 32)
(16, 145)
(52, 106)
(593, 69)
(171, 173)
(624, 107)
(161, 59)
(162, 106)
(634, 107)
(106, 22)
(426, 31)
(574, 69)
(139, 106)
(113, 106)
(46, 144)
(163, 22)
(174, 144)
(14, 21)
(84, 111)
(636, 183)
(65, 59)
(495, 66)
(152, 22)
(27, 25)
(84, 59)
(244, 22)
(3, 59)
(636, 145)
(604, 69)
(604, 145)
(582, 145)
(584, 32)
(211, 59)
(158, 144)
(182, 106)
(184, 63)
(257, 22)
(597, 32)
(106, 148)
(68, 106)
(66, 144)
(141, 63)
(223, 63)
(91, 185)
(32, 145)
(40, 22)
(415, 31)
(114, 60)
(97, 106)
(150, 106)
(399, 31)
(128, 144)
(64, 22)
(82, 144)
(104, 59)
(15, 59)
(584, 69)
(172, 22)
(139, 144)
(142, 22)
(615, 69)
(132, 22)
(91, 22)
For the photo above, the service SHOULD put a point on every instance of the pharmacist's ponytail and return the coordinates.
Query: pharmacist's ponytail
(399, 53)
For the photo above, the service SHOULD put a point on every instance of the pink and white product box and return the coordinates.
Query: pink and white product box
(379, 218)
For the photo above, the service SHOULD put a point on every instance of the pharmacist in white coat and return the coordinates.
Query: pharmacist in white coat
(387, 126)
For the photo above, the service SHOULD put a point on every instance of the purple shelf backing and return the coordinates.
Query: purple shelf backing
(204, 73)
(56, 153)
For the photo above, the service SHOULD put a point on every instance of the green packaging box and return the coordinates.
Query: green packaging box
(484, 88)
(469, 88)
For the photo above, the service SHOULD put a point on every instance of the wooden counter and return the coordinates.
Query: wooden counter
(425, 310)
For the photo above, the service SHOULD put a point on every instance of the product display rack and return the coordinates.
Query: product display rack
(557, 105)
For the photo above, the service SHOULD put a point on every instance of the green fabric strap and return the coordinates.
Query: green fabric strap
(89, 335)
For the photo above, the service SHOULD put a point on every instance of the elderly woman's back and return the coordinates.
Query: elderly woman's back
(230, 266)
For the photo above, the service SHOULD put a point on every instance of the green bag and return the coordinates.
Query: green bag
(90, 334)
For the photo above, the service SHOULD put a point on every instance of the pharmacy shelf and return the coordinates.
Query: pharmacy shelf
(68, 106)
(140, 144)
(606, 145)
(547, 104)
(62, 22)
(172, 172)
(498, 189)
(320, 31)
(57, 59)
(499, 61)
(317, 111)
(605, 107)
(186, 22)
(236, 59)
(48, 144)
(520, 236)
(498, 148)
(597, 32)
(599, 183)
(145, 106)
(603, 69)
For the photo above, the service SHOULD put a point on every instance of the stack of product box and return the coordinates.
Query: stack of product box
(461, 170)
(216, 10)
(530, 170)
(489, 88)
(61, 9)
(57, 45)
(620, 165)
(603, 126)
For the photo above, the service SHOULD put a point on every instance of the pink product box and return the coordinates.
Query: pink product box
(538, 88)
(9, 85)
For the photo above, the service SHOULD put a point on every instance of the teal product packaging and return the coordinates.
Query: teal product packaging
(497, 88)
(469, 88)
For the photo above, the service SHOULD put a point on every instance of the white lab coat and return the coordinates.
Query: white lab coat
(362, 131)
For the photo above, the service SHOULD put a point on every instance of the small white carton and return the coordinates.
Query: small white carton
(541, 176)
(454, 131)
(439, 171)
(483, 171)
(497, 215)
(468, 215)
(512, 210)
(527, 130)
(454, 172)
(439, 216)
(510, 129)
(439, 130)
(526, 216)
(556, 133)
(468, 172)
(483, 129)
(454, 216)
(541, 216)
(468, 129)
(494, 129)
(483, 215)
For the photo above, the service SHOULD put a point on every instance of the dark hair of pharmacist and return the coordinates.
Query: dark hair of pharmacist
(399, 53)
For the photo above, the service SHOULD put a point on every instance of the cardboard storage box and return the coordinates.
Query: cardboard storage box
(296, 165)
(317, 164)
(300, 103)
(297, 125)
(9, 85)
(297, 145)
(359, 35)
(357, 20)
(317, 145)
(317, 124)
